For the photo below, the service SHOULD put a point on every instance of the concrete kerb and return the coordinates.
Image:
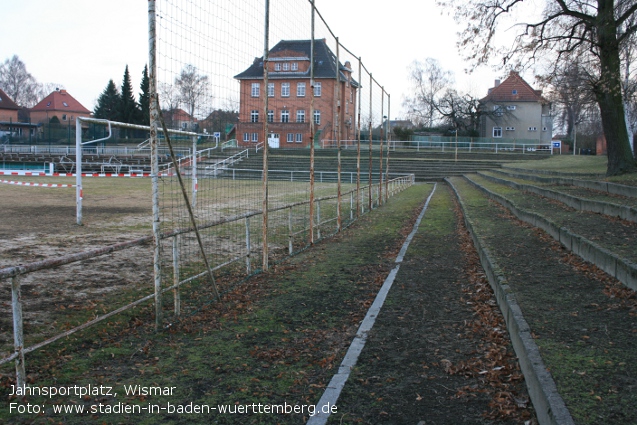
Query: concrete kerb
(615, 210)
(587, 250)
(549, 405)
(336, 384)
(613, 188)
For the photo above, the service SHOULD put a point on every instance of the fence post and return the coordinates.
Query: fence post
(176, 293)
(248, 248)
(290, 230)
(193, 173)
(351, 206)
(18, 335)
(318, 219)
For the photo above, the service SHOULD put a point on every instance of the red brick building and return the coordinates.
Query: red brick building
(289, 94)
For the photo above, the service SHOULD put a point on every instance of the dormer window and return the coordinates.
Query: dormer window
(277, 66)
(286, 66)
(295, 66)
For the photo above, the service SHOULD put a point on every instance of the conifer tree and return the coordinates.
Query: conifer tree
(108, 103)
(144, 98)
(129, 111)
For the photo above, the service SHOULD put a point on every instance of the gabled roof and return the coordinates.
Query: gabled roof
(514, 89)
(179, 114)
(6, 102)
(60, 100)
(324, 61)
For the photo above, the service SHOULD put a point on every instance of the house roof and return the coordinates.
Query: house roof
(6, 102)
(179, 115)
(324, 61)
(60, 100)
(514, 89)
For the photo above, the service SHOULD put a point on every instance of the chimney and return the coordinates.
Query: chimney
(497, 83)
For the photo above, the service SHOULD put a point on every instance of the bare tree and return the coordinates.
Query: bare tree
(193, 88)
(428, 81)
(17, 83)
(594, 31)
(569, 90)
(460, 111)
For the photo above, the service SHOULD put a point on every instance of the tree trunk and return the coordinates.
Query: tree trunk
(609, 95)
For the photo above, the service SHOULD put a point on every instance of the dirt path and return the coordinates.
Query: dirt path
(438, 353)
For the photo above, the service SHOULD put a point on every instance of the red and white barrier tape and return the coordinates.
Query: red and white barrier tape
(36, 184)
(29, 173)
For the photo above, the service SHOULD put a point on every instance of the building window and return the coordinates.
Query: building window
(255, 137)
(63, 117)
(246, 137)
(277, 66)
(290, 138)
(295, 66)
(514, 92)
(317, 117)
(256, 87)
(511, 107)
(285, 89)
(544, 129)
(498, 110)
(270, 89)
(254, 116)
(532, 128)
(497, 132)
(300, 89)
(510, 129)
(285, 116)
(299, 137)
(270, 115)
(317, 89)
(286, 66)
(300, 115)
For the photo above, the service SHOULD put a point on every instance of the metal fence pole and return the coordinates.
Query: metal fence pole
(78, 171)
(248, 247)
(318, 219)
(176, 293)
(266, 43)
(193, 167)
(154, 164)
(290, 230)
(18, 334)
(380, 165)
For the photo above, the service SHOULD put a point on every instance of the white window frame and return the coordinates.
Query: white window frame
(270, 115)
(511, 107)
(317, 89)
(285, 89)
(300, 115)
(255, 137)
(246, 137)
(510, 129)
(290, 138)
(285, 115)
(497, 132)
(286, 66)
(256, 90)
(317, 117)
(300, 89)
(299, 137)
(277, 66)
(254, 115)
(295, 66)
(270, 89)
(532, 128)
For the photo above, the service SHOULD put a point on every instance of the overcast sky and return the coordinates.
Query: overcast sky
(81, 44)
